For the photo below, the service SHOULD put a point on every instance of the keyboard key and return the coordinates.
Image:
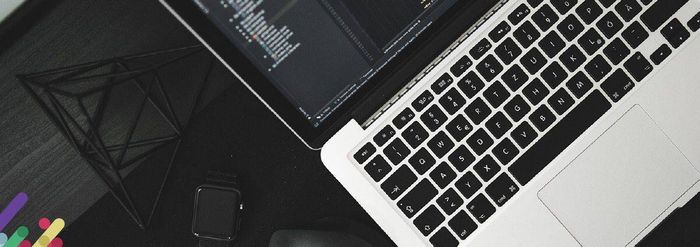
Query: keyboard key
(481, 208)
(384, 135)
(499, 32)
(534, 3)
(514, 77)
(415, 134)
(496, 94)
(560, 137)
(440, 144)
(572, 58)
(468, 185)
(489, 68)
(564, 6)
(579, 85)
(433, 118)
(429, 220)
(552, 44)
(442, 83)
(617, 85)
(545, 17)
(635, 34)
(462, 224)
(675, 33)
(519, 14)
(554, 75)
(661, 54)
(403, 118)
(542, 118)
(498, 125)
(396, 151)
(487, 168)
(589, 10)
(609, 25)
(364, 153)
(517, 108)
(560, 101)
(570, 27)
(646, 2)
(461, 66)
(607, 3)
(480, 49)
(377, 168)
(443, 237)
(502, 189)
(422, 101)
(422, 161)
(591, 41)
(508, 51)
(450, 201)
(417, 198)
(638, 66)
(452, 101)
(398, 183)
(477, 111)
(660, 12)
(533, 61)
(524, 134)
(505, 151)
(459, 127)
(443, 175)
(536, 91)
(628, 9)
(526, 34)
(598, 68)
(480, 141)
(616, 51)
(471, 84)
(461, 158)
(694, 23)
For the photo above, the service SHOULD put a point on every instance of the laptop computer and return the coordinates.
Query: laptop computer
(481, 123)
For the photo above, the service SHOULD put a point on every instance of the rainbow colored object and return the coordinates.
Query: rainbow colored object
(49, 238)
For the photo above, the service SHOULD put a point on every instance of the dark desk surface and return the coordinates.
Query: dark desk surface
(284, 184)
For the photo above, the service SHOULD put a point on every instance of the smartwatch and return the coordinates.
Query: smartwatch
(217, 210)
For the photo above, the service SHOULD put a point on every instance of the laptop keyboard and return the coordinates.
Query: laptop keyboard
(511, 104)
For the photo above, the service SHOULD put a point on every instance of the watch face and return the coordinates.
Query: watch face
(216, 212)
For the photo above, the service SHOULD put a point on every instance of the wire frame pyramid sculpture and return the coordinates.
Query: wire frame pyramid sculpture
(117, 112)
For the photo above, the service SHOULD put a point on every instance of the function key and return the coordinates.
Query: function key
(460, 66)
(570, 27)
(505, 151)
(517, 108)
(477, 111)
(502, 189)
(524, 134)
(542, 118)
(440, 144)
(480, 141)
(628, 9)
(489, 68)
(450, 201)
(499, 32)
(519, 14)
(526, 34)
(694, 23)
(481, 208)
(617, 85)
(675, 33)
(487, 168)
(442, 83)
(462, 224)
(459, 127)
(579, 85)
(554, 75)
(591, 41)
(443, 175)
(414, 134)
(398, 183)
(461, 158)
(422, 161)
(589, 10)
(616, 51)
(377, 168)
(545, 17)
(638, 66)
(496, 94)
(498, 125)
(508, 51)
(514, 77)
(422, 101)
(598, 68)
(661, 54)
(452, 101)
(480, 49)
(443, 237)
(560, 101)
(429, 220)
(564, 6)
(533, 61)
(433, 118)
(417, 198)
(609, 25)
(396, 151)
(403, 118)
(471, 84)
(536, 91)
(468, 185)
(384, 135)
(364, 153)
(552, 44)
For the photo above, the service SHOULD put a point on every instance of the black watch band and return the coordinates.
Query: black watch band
(205, 242)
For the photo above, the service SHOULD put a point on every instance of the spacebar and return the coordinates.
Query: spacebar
(559, 137)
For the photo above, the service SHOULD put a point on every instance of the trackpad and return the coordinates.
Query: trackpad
(619, 184)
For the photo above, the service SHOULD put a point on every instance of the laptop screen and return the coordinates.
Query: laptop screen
(319, 52)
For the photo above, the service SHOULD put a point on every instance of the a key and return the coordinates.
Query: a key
(462, 225)
(429, 220)
(542, 118)
(533, 61)
(617, 85)
(443, 237)
(452, 101)
(675, 33)
(660, 12)
(560, 101)
(589, 10)
(471, 84)
(572, 58)
(498, 125)
(440, 144)
(433, 118)
(661, 54)
(450, 201)
(443, 175)
(545, 17)
(442, 83)
(384, 135)
(552, 44)
(414, 134)
(399, 182)
(422, 101)
(514, 77)
(403, 118)
(524, 134)
(364, 153)
(579, 85)
(477, 111)
(616, 51)
(468, 185)
(638, 66)
(499, 32)
(534, 3)
(396, 151)
(598, 68)
(635, 34)
(519, 14)
(502, 189)
(422, 161)
(417, 198)
(496, 94)
(487, 168)
(591, 41)
(628, 9)
(480, 141)
(480, 49)
(609, 25)
(481, 208)
(570, 27)
(517, 108)
(564, 6)
(377, 168)
(694, 23)
(461, 158)
(554, 75)
(505, 151)
(489, 68)
(607, 3)
(508, 51)
(536, 91)
(459, 127)
(526, 34)
(461, 66)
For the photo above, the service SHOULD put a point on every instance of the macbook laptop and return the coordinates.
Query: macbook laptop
(481, 123)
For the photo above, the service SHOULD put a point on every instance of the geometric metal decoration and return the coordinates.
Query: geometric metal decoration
(119, 111)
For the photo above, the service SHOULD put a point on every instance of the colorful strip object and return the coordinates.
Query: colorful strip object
(11, 210)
